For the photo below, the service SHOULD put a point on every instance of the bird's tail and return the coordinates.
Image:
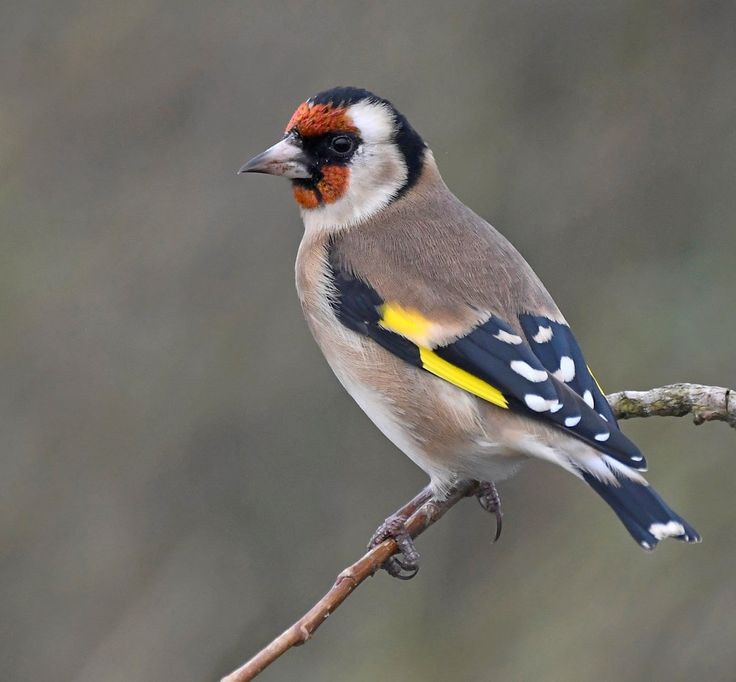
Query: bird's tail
(644, 513)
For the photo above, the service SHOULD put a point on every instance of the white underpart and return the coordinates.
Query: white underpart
(525, 370)
(512, 339)
(543, 335)
(624, 471)
(572, 421)
(377, 172)
(591, 461)
(667, 530)
(605, 468)
(379, 409)
(566, 372)
(535, 448)
(588, 398)
(539, 404)
(574, 457)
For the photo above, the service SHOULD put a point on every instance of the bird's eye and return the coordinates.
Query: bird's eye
(342, 144)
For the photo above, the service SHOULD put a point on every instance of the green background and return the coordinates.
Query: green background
(181, 475)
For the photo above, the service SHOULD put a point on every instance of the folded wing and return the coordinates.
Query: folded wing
(543, 380)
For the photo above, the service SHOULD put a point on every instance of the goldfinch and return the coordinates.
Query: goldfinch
(436, 325)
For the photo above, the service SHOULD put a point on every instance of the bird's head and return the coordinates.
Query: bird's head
(347, 152)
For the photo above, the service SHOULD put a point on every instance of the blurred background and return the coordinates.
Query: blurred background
(181, 475)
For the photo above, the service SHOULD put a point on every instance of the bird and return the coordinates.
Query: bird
(436, 325)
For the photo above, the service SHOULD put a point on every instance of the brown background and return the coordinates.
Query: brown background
(181, 475)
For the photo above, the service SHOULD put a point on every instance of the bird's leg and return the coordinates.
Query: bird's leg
(406, 566)
(394, 527)
(490, 500)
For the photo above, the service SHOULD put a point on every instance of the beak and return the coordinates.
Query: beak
(285, 158)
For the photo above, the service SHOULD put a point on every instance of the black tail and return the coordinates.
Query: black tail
(644, 513)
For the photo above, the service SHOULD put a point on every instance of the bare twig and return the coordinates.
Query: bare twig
(705, 403)
(422, 512)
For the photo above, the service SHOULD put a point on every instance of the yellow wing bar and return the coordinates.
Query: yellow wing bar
(434, 364)
(412, 325)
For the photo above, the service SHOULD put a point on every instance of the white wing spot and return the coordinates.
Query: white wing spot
(512, 339)
(572, 421)
(556, 408)
(543, 334)
(603, 417)
(566, 372)
(588, 398)
(667, 530)
(539, 404)
(602, 436)
(528, 372)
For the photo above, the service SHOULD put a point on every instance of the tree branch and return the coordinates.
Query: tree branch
(705, 403)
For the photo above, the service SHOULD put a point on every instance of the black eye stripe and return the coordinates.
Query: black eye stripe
(331, 148)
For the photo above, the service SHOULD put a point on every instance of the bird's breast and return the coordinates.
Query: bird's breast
(431, 421)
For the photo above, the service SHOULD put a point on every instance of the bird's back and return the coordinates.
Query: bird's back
(437, 256)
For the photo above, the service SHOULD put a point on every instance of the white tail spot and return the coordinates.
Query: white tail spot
(671, 529)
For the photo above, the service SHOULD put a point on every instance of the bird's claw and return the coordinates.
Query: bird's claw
(489, 499)
(406, 566)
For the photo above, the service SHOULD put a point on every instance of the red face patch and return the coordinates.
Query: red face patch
(311, 120)
(319, 119)
(331, 187)
(305, 196)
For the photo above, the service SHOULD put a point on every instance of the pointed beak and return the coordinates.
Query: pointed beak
(285, 158)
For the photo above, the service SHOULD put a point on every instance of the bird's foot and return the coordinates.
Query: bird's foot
(490, 500)
(405, 565)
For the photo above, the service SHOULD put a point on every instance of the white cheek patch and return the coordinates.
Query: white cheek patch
(374, 120)
(377, 172)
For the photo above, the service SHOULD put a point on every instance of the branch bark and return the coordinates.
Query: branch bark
(705, 403)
